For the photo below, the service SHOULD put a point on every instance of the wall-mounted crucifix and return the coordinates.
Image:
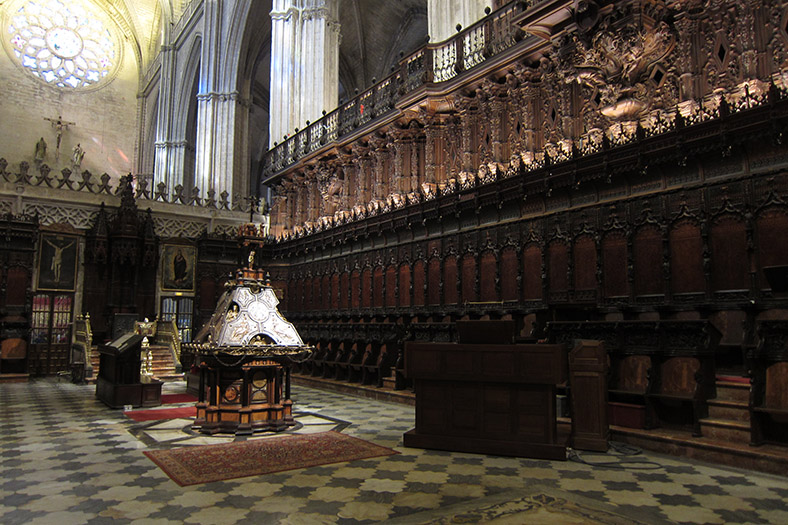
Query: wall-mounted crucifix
(60, 125)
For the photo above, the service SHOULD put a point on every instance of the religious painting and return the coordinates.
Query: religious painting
(177, 268)
(57, 262)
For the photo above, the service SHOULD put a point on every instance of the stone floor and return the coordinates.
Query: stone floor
(67, 459)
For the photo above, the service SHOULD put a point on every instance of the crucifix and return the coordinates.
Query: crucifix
(60, 125)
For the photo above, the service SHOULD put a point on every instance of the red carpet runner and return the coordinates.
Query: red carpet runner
(155, 414)
(194, 465)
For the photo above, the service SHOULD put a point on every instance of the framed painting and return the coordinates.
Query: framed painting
(177, 268)
(57, 262)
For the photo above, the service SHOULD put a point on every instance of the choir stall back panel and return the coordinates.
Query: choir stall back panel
(489, 399)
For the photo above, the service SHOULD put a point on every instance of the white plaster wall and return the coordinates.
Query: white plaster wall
(105, 119)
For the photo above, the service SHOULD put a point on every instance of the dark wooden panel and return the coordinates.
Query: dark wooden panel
(419, 282)
(532, 272)
(509, 274)
(686, 259)
(344, 297)
(366, 288)
(557, 267)
(469, 279)
(614, 265)
(487, 277)
(772, 248)
(391, 286)
(17, 284)
(584, 259)
(355, 289)
(335, 291)
(450, 281)
(325, 292)
(730, 265)
(434, 282)
(377, 287)
(404, 286)
(647, 255)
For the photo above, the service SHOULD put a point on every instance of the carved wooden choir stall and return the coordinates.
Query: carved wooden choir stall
(244, 355)
(485, 394)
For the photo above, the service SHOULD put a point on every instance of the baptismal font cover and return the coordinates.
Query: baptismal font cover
(244, 355)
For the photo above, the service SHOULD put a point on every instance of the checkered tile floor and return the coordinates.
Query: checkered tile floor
(67, 459)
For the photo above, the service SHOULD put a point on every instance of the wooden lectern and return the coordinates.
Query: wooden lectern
(118, 382)
(486, 398)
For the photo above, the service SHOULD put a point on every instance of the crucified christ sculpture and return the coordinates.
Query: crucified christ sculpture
(60, 125)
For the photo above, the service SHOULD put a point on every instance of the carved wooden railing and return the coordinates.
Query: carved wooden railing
(432, 63)
(83, 342)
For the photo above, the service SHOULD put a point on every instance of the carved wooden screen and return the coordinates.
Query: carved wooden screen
(377, 287)
(508, 274)
(355, 289)
(344, 290)
(557, 269)
(686, 258)
(366, 288)
(391, 286)
(532, 272)
(18, 282)
(772, 248)
(434, 282)
(647, 260)
(730, 266)
(614, 265)
(335, 291)
(419, 280)
(487, 274)
(450, 280)
(326, 292)
(469, 278)
(584, 259)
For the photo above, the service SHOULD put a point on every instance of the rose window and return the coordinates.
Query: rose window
(68, 44)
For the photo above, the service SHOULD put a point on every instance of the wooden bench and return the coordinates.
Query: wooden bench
(661, 372)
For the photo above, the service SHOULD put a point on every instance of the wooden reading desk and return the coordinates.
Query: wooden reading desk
(486, 398)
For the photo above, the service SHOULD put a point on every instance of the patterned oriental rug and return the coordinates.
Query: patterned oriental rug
(155, 414)
(195, 465)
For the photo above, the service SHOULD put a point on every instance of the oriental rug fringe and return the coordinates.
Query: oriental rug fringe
(195, 465)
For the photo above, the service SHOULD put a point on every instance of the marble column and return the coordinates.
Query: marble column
(444, 15)
(304, 63)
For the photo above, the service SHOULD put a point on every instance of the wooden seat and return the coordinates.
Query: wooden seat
(679, 381)
(769, 405)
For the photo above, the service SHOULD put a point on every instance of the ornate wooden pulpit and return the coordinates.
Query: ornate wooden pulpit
(486, 398)
(119, 383)
(244, 355)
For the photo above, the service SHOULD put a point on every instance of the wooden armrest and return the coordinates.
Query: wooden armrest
(771, 410)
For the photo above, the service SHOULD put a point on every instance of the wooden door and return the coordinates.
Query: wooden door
(50, 335)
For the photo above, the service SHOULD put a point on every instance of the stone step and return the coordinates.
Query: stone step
(729, 410)
(725, 430)
(733, 391)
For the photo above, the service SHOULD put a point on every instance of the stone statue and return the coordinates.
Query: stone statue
(76, 156)
(41, 151)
